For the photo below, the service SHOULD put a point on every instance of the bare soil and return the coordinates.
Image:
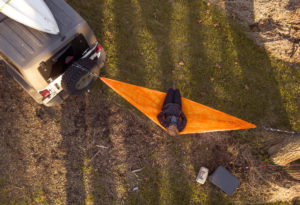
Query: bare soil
(272, 24)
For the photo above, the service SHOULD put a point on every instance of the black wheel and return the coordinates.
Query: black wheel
(77, 79)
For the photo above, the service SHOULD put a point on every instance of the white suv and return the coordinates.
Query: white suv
(51, 67)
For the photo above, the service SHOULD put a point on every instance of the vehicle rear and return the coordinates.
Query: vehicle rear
(38, 61)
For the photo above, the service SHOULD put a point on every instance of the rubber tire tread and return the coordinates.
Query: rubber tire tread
(73, 74)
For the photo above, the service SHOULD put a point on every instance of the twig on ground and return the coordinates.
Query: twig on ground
(95, 155)
(137, 170)
(18, 187)
(101, 146)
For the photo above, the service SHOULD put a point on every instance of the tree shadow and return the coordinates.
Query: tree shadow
(30, 163)
(129, 42)
(129, 33)
(12, 168)
(73, 130)
(126, 41)
(293, 4)
(91, 140)
(157, 22)
(86, 131)
(100, 145)
(110, 166)
(174, 182)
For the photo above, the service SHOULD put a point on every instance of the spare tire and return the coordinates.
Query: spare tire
(77, 79)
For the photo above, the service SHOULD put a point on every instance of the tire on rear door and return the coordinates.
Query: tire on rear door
(76, 79)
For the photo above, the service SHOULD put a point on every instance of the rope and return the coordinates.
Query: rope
(279, 165)
(272, 165)
(281, 131)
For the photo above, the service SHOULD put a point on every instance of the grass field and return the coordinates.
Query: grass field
(154, 44)
(192, 44)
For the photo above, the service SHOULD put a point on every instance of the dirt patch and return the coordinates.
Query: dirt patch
(272, 24)
(31, 162)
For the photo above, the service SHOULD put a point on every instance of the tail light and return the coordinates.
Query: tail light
(99, 48)
(69, 59)
(45, 93)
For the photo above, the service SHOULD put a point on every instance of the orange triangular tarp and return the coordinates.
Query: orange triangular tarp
(200, 118)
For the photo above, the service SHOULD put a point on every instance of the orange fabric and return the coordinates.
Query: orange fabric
(200, 118)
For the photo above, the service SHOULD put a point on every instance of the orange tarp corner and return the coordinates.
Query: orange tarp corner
(200, 118)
